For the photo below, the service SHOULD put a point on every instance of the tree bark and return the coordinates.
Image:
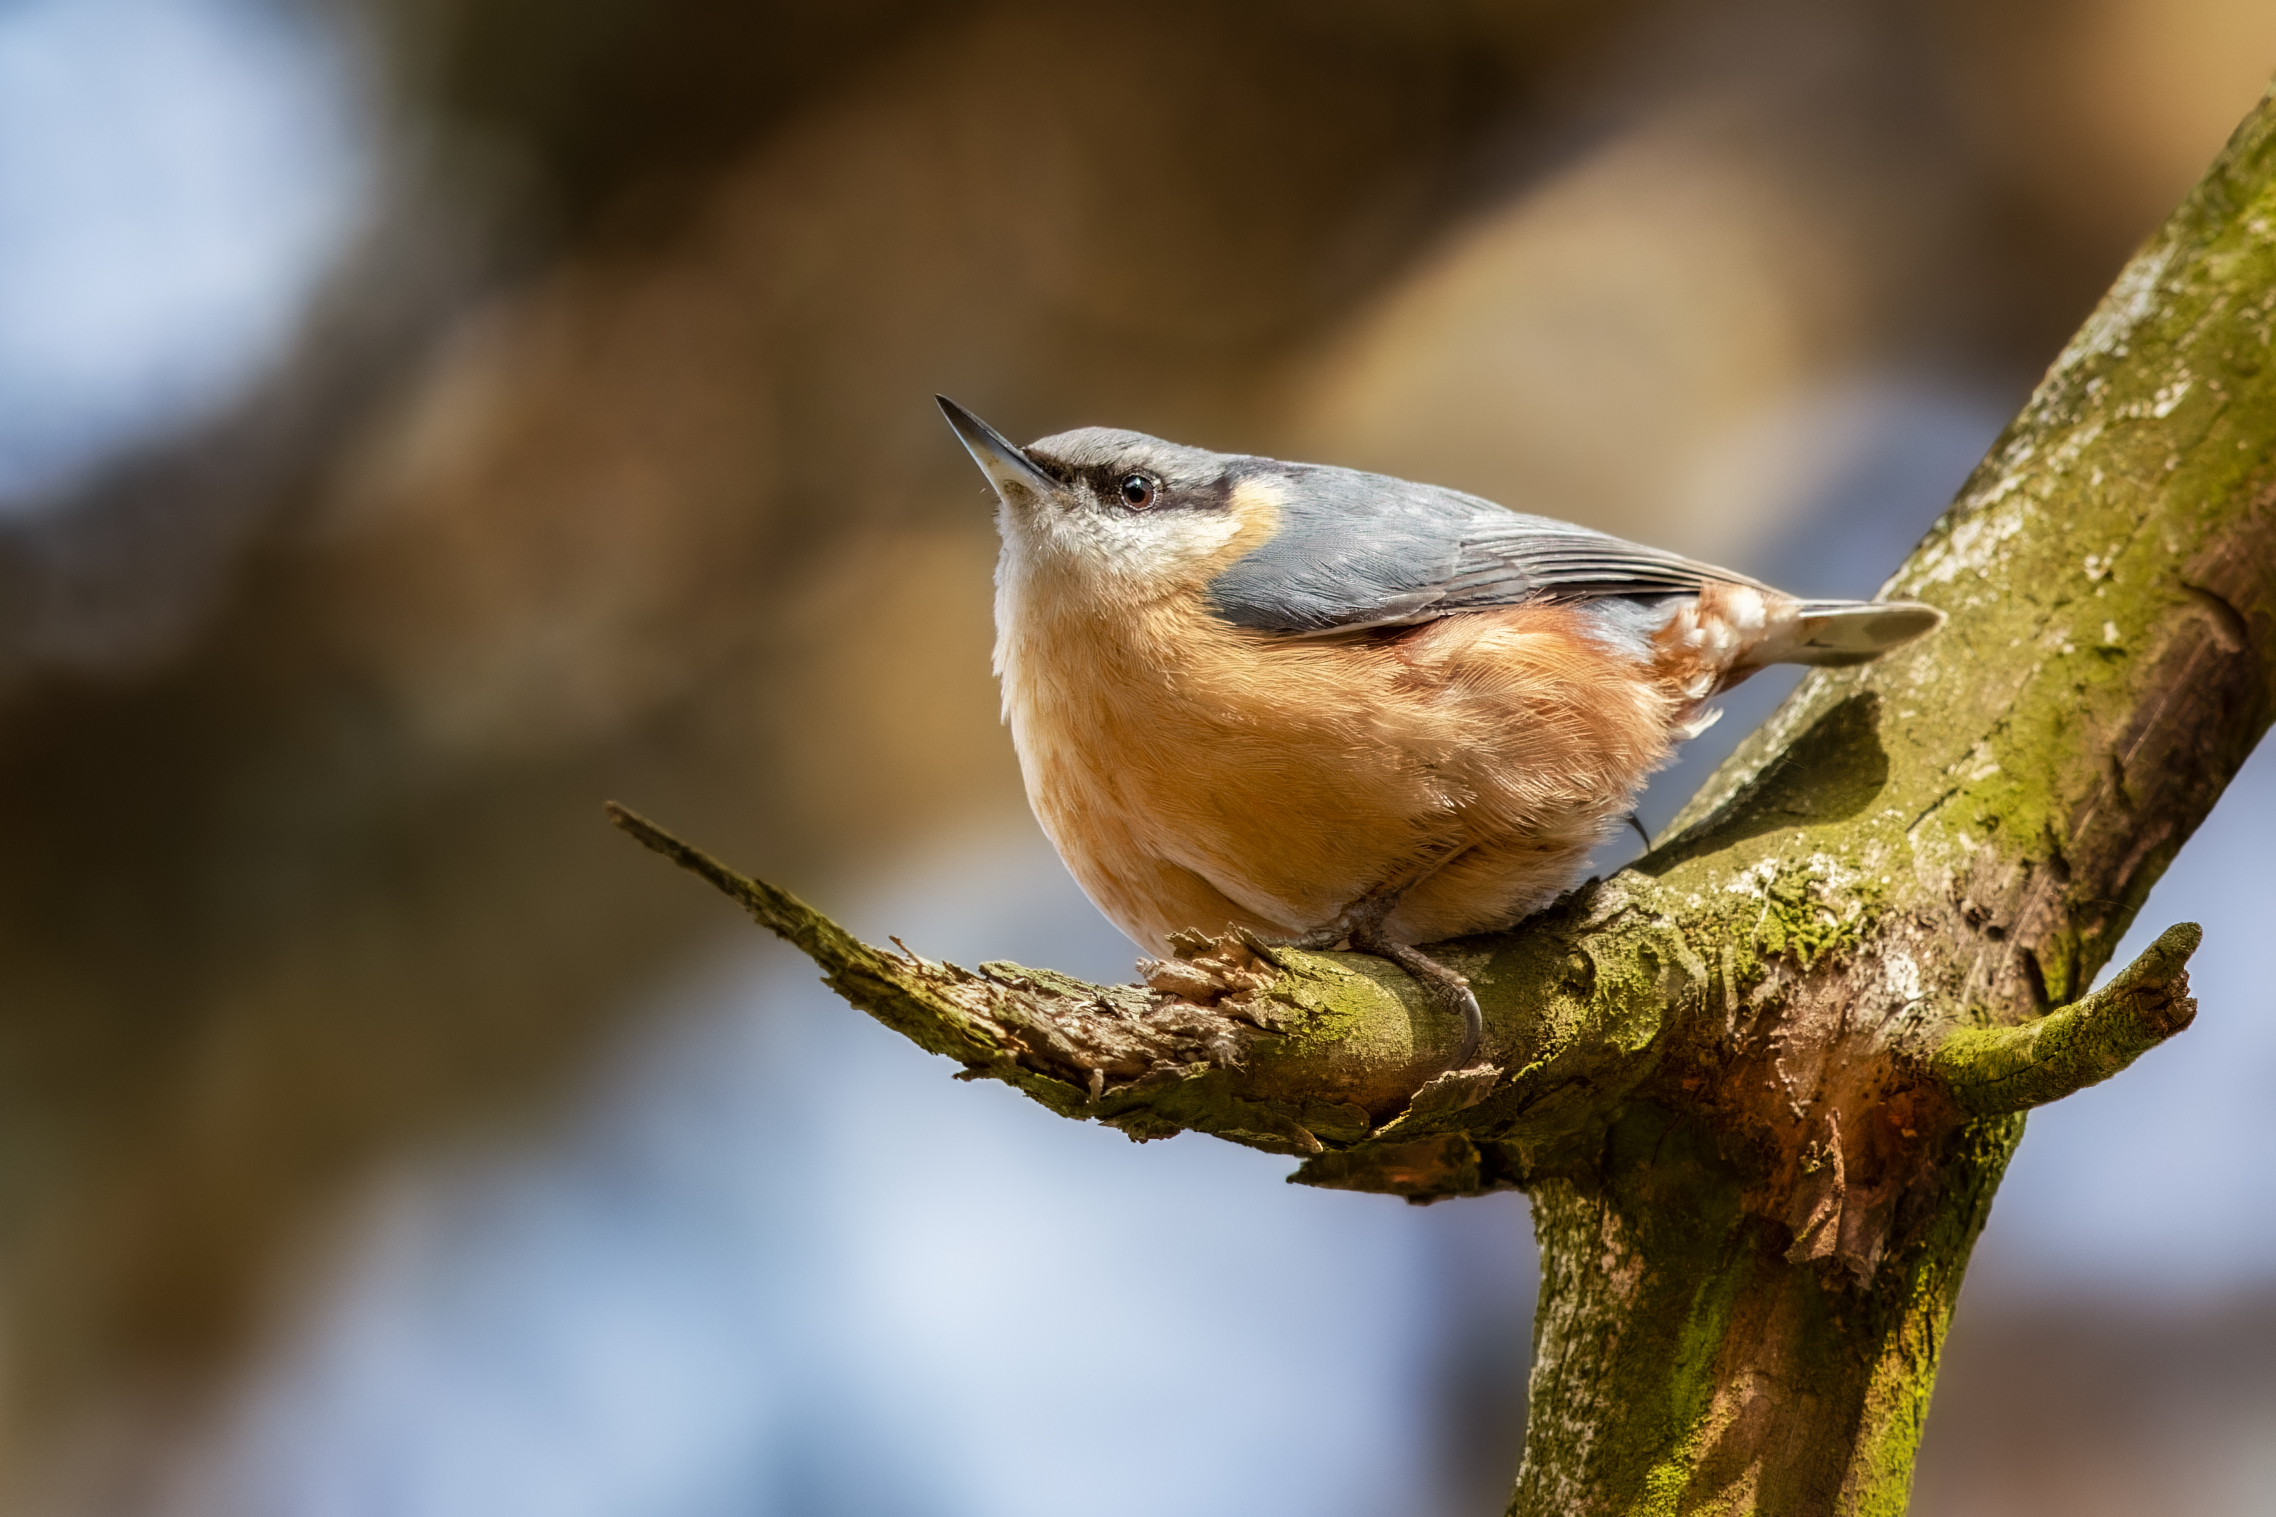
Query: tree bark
(1762, 1086)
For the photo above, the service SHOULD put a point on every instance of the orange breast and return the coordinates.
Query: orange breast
(1192, 773)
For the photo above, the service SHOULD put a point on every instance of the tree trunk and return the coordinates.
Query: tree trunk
(1762, 1086)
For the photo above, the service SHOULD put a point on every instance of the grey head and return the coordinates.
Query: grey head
(1116, 509)
(1347, 550)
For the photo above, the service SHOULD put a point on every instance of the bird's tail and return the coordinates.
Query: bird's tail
(1831, 633)
(1731, 630)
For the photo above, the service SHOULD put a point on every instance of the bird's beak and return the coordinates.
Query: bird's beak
(1007, 468)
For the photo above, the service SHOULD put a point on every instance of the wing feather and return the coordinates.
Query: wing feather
(1356, 551)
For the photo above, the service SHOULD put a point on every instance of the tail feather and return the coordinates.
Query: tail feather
(1710, 643)
(1832, 633)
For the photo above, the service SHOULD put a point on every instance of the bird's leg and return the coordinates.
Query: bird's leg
(1365, 913)
(1361, 925)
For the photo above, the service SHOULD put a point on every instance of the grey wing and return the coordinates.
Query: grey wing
(1355, 551)
(1534, 558)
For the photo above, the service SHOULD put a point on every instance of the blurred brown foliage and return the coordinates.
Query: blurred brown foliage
(608, 467)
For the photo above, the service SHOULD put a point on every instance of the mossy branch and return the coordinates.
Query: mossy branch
(1288, 1051)
(1992, 1071)
(895, 989)
(1150, 1061)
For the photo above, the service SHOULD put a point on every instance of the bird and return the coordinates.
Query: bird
(1324, 707)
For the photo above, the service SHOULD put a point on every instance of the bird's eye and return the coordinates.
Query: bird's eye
(1138, 491)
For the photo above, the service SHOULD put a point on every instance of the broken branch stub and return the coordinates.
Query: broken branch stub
(1992, 1071)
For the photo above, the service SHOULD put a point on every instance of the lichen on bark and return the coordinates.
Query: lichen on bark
(1762, 1085)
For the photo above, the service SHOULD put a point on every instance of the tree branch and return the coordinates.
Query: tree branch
(1991, 1071)
(1150, 1062)
(1280, 1049)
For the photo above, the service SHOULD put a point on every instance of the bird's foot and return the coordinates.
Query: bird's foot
(1443, 985)
(1361, 925)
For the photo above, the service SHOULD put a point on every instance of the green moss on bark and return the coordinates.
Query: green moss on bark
(1991, 1071)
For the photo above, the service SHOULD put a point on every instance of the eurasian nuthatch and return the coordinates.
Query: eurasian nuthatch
(1330, 706)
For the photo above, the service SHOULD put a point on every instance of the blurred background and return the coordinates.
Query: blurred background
(421, 419)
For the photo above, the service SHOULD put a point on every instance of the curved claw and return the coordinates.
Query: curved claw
(1447, 988)
(1473, 1029)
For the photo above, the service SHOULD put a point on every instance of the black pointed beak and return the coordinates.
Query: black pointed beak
(1006, 466)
